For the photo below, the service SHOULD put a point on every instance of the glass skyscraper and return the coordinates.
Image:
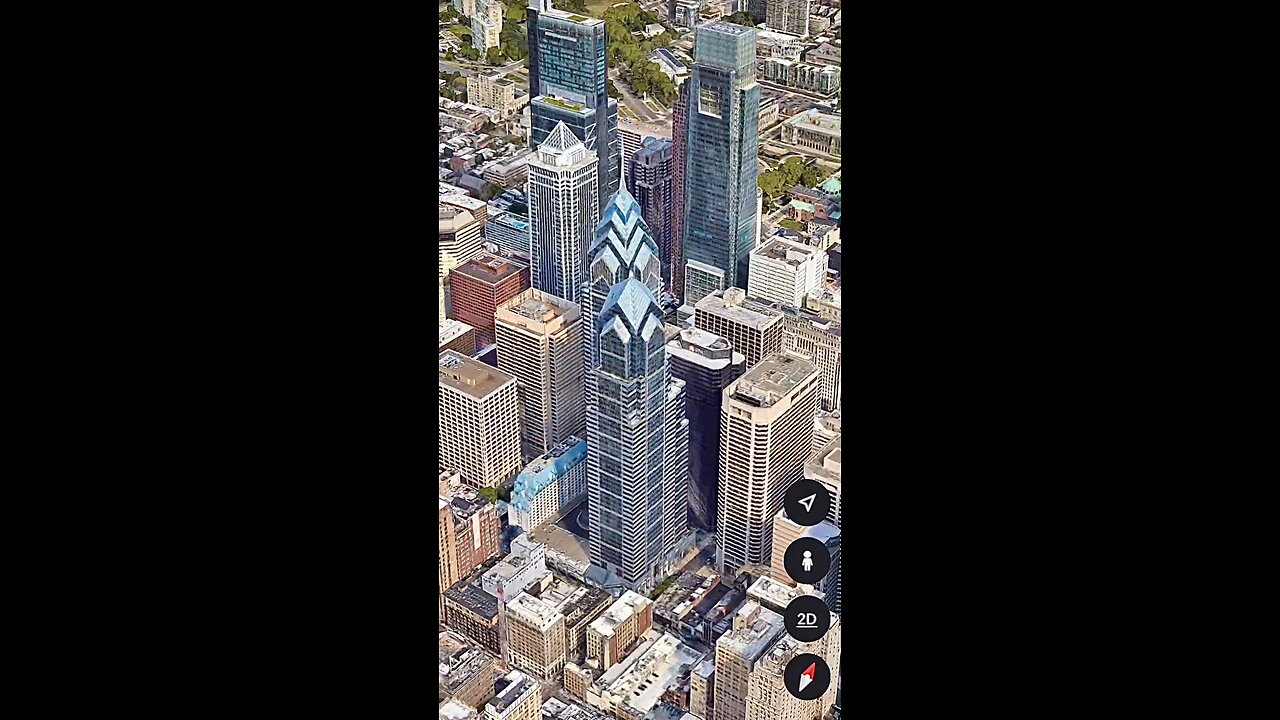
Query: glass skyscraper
(721, 139)
(637, 437)
(567, 77)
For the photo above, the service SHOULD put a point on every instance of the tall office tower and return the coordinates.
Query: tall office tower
(567, 78)
(788, 16)
(478, 286)
(540, 342)
(679, 135)
(486, 25)
(448, 552)
(650, 178)
(824, 467)
(563, 208)
(707, 364)
(759, 213)
(465, 8)
(754, 630)
(521, 699)
(626, 395)
(536, 638)
(766, 427)
(675, 472)
(785, 271)
(479, 421)
(721, 142)
(460, 238)
(767, 696)
(700, 280)
(815, 338)
(752, 329)
(757, 8)
(701, 688)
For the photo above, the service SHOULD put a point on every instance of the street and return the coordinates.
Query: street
(633, 103)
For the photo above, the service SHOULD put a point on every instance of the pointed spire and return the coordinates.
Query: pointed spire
(561, 138)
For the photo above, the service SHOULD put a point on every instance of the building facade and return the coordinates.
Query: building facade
(679, 151)
(707, 364)
(549, 484)
(651, 176)
(461, 238)
(701, 280)
(563, 208)
(813, 130)
(785, 271)
(486, 25)
(458, 336)
(521, 699)
(539, 338)
(479, 286)
(721, 144)
(788, 16)
(752, 329)
(535, 632)
(766, 430)
(510, 233)
(479, 420)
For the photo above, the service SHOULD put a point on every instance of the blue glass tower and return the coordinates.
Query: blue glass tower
(637, 437)
(721, 140)
(567, 83)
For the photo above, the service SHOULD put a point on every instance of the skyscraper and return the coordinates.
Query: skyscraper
(540, 342)
(788, 16)
(707, 364)
(563, 208)
(766, 432)
(721, 142)
(567, 83)
(651, 179)
(679, 135)
(629, 413)
(479, 420)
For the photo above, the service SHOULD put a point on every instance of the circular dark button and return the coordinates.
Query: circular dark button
(807, 618)
(807, 561)
(807, 676)
(807, 503)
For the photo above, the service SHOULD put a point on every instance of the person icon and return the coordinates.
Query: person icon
(807, 560)
(807, 563)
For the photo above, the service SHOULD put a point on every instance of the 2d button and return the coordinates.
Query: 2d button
(807, 561)
(807, 618)
(807, 676)
(807, 503)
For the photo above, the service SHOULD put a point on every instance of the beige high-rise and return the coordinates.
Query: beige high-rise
(767, 695)
(521, 699)
(754, 329)
(766, 430)
(754, 630)
(448, 554)
(539, 339)
(536, 638)
(479, 420)
(617, 631)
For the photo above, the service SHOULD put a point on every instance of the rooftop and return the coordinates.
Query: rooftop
(639, 681)
(536, 310)
(489, 268)
(452, 330)
(473, 598)
(533, 611)
(470, 376)
(624, 607)
(816, 121)
(460, 660)
(786, 251)
(754, 629)
(518, 686)
(771, 380)
(454, 710)
(703, 348)
(825, 464)
(728, 304)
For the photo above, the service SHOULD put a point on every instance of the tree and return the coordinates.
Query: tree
(612, 89)
(470, 52)
(489, 192)
(792, 224)
(578, 6)
(743, 18)
(493, 55)
(488, 493)
(448, 54)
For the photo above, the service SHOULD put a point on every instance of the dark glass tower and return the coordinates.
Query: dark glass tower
(651, 179)
(721, 141)
(679, 133)
(567, 77)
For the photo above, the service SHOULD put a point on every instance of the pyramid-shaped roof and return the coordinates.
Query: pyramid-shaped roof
(632, 302)
(623, 242)
(561, 139)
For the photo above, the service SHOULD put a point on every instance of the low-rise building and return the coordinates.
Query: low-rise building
(813, 130)
(536, 637)
(519, 699)
(631, 689)
(466, 673)
(458, 336)
(472, 612)
(549, 483)
(617, 630)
